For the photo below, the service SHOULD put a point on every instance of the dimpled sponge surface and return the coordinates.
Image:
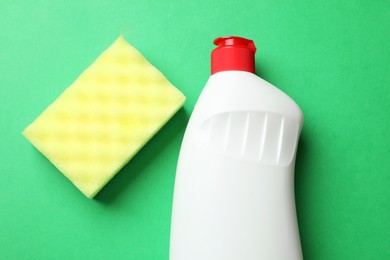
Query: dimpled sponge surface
(105, 117)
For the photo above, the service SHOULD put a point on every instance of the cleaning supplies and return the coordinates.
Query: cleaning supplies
(101, 121)
(234, 189)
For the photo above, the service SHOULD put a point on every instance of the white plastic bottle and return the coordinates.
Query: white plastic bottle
(234, 189)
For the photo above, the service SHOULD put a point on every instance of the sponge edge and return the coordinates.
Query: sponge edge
(105, 117)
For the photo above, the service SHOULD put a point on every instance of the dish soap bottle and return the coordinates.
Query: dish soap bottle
(234, 188)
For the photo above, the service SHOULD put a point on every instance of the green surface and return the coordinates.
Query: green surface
(332, 57)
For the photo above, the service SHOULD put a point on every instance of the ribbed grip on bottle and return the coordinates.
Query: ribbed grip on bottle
(265, 137)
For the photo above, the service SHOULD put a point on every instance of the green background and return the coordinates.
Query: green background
(332, 57)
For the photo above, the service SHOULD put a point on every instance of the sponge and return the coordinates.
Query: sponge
(105, 117)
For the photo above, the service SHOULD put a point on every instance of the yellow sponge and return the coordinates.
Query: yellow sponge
(101, 121)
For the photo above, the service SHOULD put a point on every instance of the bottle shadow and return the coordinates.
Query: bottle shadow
(301, 186)
(125, 177)
(301, 158)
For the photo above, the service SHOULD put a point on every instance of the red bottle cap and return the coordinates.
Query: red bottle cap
(233, 53)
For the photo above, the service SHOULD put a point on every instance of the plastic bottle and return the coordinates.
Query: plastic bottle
(234, 188)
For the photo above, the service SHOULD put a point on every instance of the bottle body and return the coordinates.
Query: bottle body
(234, 189)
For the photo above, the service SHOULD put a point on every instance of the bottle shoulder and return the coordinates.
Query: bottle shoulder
(242, 116)
(243, 91)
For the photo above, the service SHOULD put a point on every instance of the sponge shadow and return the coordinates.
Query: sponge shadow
(136, 166)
